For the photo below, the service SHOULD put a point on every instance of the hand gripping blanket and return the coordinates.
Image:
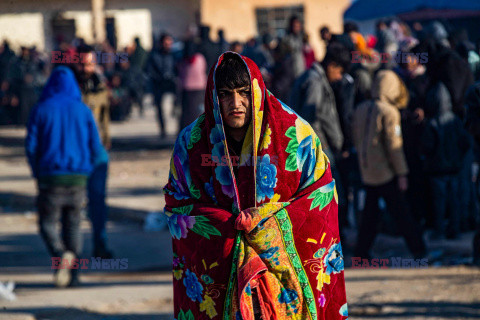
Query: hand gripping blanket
(266, 243)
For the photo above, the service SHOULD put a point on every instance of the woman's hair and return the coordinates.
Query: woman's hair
(232, 72)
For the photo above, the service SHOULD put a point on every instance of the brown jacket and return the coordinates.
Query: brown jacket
(95, 96)
(377, 131)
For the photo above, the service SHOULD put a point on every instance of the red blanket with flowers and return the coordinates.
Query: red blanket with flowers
(266, 242)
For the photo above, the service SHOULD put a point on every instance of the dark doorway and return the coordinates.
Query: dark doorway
(63, 30)
(111, 34)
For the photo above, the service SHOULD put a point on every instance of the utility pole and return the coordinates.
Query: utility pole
(98, 20)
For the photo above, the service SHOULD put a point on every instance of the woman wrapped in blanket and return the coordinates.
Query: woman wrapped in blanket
(252, 208)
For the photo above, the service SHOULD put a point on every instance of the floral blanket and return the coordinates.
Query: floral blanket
(266, 242)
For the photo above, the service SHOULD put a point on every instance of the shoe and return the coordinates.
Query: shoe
(63, 277)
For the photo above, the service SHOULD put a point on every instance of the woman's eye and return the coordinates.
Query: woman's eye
(246, 93)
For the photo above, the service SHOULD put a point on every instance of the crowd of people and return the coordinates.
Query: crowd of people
(405, 103)
(397, 113)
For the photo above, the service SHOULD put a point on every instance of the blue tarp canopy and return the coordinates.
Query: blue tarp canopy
(373, 9)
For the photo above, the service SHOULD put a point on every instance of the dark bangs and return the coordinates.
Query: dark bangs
(232, 73)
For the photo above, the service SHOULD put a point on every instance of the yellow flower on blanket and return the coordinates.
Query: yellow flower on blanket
(266, 209)
(267, 139)
(322, 278)
(257, 103)
(320, 165)
(266, 235)
(275, 198)
(208, 306)
(177, 274)
(304, 130)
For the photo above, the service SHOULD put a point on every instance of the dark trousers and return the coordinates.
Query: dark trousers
(97, 208)
(159, 89)
(158, 103)
(63, 204)
(476, 246)
(397, 207)
(445, 198)
(341, 192)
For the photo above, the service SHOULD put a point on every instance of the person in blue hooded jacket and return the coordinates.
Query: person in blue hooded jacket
(62, 146)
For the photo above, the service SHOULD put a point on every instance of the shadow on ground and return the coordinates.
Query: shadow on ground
(410, 309)
(52, 313)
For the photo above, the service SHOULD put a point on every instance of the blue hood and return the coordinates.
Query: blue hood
(62, 135)
(61, 82)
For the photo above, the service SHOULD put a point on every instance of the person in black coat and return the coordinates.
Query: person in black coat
(444, 144)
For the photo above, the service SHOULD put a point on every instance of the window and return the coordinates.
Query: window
(274, 20)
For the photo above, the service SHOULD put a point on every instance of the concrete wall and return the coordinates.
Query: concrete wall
(28, 22)
(173, 16)
(29, 34)
(238, 18)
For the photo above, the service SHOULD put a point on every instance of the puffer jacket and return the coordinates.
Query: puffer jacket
(377, 133)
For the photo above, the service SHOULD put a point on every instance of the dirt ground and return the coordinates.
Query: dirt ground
(139, 169)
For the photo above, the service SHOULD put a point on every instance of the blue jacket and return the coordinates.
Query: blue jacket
(62, 136)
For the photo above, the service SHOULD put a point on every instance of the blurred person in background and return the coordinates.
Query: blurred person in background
(134, 81)
(120, 100)
(413, 74)
(313, 97)
(137, 60)
(28, 68)
(282, 72)
(378, 139)
(7, 57)
(361, 71)
(237, 47)
(207, 47)
(386, 42)
(251, 50)
(308, 53)
(8, 104)
(473, 126)
(193, 79)
(314, 100)
(265, 58)
(95, 95)
(62, 146)
(294, 42)
(161, 69)
(222, 44)
(444, 144)
(346, 167)
(328, 38)
(446, 65)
